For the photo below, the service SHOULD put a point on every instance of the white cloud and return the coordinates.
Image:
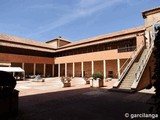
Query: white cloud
(81, 9)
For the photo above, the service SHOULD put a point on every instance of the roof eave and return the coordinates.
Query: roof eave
(106, 36)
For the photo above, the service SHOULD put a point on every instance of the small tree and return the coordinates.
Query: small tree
(97, 75)
(156, 52)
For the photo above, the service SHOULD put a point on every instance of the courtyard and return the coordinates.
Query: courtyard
(46, 101)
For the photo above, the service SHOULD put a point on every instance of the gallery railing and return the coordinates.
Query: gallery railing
(126, 49)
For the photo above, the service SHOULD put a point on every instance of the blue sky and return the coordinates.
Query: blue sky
(74, 20)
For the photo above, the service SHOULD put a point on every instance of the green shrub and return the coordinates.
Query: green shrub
(97, 75)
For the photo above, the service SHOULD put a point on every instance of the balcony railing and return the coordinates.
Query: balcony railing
(126, 49)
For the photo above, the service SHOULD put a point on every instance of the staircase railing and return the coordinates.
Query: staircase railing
(142, 65)
(126, 66)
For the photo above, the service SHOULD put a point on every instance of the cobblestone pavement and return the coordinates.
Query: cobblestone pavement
(79, 103)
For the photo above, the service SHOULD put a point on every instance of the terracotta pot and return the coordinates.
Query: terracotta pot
(68, 84)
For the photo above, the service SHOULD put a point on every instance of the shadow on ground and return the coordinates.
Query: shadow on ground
(82, 104)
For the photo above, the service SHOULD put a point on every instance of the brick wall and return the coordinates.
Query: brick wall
(26, 59)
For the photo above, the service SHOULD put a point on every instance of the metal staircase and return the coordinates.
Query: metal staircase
(132, 73)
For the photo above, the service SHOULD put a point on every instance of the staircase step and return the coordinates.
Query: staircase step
(127, 82)
(125, 87)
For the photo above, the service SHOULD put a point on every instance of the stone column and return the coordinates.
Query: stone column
(104, 69)
(73, 70)
(44, 70)
(59, 70)
(92, 67)
(65, 69)
(34, 69)
(82, 69)
(53, 70)
(24, 71)
(23, 66)
(118, 68)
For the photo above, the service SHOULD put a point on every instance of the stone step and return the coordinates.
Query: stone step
(128, 80)
(130, 77)
(125, 86)
(126, 83)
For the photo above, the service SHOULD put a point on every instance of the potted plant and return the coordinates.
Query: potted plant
(97, 80)
(66, 81)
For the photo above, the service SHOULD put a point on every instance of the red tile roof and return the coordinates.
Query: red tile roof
(13, 41)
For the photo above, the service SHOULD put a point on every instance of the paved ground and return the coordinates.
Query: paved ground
(79, 103)
(29, 87)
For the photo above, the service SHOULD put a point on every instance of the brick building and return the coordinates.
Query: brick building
(126, 55)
